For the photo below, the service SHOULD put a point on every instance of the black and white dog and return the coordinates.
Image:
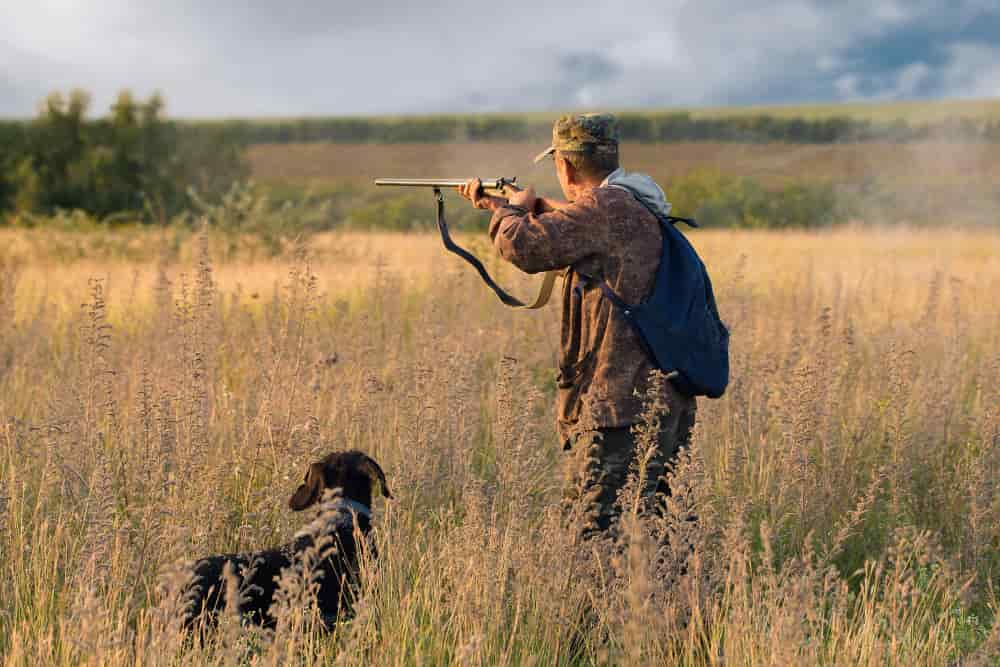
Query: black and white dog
(331, 539)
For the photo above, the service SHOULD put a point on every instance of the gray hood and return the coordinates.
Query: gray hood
(642, 187)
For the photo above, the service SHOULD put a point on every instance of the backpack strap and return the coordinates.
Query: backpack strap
(606, 290)
(674, 219)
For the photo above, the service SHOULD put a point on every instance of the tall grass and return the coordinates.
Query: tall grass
(845, 488)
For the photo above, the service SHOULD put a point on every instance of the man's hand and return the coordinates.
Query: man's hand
(525, 198)
(473, 191)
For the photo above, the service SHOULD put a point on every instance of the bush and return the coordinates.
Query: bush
(720, 200)
(246, 210)
(804, 205)
(404, 211)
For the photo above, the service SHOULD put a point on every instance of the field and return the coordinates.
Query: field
(161, 394)
(926, 183)
(916, 164)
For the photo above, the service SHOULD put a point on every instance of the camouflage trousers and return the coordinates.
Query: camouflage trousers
(598, 466)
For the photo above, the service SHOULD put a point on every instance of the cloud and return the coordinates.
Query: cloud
(966, 70)
(973, 71)
(20, 80)
(906, 82)
(295, 57)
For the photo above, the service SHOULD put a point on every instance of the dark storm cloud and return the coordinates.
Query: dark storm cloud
(307, 57)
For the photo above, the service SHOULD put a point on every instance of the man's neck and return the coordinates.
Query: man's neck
(580, 189)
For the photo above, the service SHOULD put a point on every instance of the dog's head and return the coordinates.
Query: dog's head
(356, 474)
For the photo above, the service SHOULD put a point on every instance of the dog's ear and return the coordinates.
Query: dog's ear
(375, 474)
(310, 490)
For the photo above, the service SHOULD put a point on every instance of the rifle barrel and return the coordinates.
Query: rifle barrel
(488, 183)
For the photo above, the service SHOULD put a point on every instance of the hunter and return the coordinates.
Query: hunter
(601, 232)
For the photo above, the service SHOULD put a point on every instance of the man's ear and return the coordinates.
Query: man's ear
(375, 474)
(310, 490)
(567, 168)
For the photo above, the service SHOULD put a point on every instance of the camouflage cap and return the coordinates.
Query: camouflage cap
(589, 132)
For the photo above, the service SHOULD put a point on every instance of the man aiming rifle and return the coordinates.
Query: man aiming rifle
(636, 297)
(607, 238)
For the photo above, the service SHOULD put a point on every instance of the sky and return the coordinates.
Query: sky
(314, 57)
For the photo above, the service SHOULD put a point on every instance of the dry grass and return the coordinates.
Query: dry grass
(846, 486)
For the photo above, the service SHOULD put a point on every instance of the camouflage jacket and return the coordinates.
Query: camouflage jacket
(608, 235)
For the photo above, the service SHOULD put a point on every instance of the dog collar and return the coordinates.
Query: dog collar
(354, 506)
(334, 514)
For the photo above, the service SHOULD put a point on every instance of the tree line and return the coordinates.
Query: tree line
(638, 126)
(132, 161)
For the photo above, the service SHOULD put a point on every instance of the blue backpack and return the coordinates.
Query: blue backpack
(678, 323)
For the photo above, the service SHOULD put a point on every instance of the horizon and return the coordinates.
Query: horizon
(990, 105)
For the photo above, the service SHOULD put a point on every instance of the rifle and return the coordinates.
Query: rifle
(494, 184)
(498, 185)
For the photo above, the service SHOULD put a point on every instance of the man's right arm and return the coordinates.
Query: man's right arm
(536, 241)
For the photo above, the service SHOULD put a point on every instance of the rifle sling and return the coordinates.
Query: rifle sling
(508, 299)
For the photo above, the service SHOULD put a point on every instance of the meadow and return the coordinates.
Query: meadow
(773, 164)
(162, 392)
(725, 184)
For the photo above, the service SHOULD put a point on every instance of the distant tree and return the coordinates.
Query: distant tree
(11, 137)
(7, 189)
(132, 161)
(51, 173)
(137, 169)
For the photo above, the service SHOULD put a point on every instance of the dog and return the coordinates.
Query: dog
(332, 542)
